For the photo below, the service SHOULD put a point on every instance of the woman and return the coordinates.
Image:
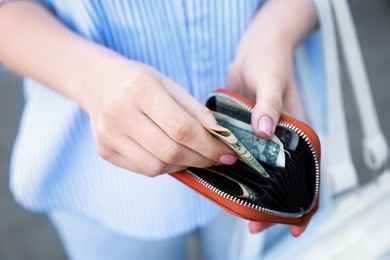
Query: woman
(115, 92)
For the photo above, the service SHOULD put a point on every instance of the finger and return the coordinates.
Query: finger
(117, 148)
(133, 157)
(268, 108)
(182, 127)
(122, 162)
(190, 104)
(296, 231)
(160, 145)
(236, 82)
(257, 227)
(293, 104)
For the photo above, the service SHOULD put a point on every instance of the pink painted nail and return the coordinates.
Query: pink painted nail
(227, 159)
(265, 126)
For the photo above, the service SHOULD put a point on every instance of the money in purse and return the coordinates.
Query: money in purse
(273, 180)
(250, 148)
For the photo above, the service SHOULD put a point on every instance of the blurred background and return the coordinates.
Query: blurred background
(24, 235)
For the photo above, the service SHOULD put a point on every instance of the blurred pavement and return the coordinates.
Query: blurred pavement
(24, 235)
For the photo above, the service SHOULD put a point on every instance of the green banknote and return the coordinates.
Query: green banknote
(239, 190)
(226, 136)
(230, 108)
(289, 138)
(269, 151)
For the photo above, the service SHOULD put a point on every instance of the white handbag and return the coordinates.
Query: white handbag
(354, 223)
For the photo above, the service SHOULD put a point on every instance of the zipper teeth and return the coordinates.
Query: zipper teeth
(242, 202)
(316, 162)
(251, 205)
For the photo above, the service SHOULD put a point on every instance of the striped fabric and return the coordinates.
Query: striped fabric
(55, 165)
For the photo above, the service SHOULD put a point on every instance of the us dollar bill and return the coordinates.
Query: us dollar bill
(270, 151)
(230, 108)
(238, 189)
(289, 138)
(226, 136)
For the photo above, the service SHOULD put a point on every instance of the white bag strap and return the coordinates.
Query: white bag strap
(341, 170)
(375, 148)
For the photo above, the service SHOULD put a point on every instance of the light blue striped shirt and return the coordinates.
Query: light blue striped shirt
(55, 165)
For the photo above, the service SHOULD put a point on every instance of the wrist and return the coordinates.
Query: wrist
(91, 76)
(268, 47)
(282, 23)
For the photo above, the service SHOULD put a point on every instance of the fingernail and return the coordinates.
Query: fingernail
(227, 159)
(265, 126)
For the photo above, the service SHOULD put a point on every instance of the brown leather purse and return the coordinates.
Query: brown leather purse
(289, 195)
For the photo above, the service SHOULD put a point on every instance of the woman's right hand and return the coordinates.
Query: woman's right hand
(144, 122)
(141, 120)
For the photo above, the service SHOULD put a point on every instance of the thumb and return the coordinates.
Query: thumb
(267, 111)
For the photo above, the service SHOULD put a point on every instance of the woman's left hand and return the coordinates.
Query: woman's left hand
(266, 75)
(263, 69)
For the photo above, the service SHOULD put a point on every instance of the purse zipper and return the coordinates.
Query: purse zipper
(251, 205)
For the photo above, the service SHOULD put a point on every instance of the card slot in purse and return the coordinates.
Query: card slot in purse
(282, 191)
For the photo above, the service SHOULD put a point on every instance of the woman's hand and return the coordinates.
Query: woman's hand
(263, 69)
(141, 120)
(144, 122)
(265, 73)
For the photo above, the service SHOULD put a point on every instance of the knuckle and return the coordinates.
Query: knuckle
(154, 167)
(136, 84)
(205, 111)
(135, 78)
(101, 135)
(181, 131)
(275, 104)
(116, 107)
(101, 128)
(172, 153)
(113, 108)
(206, 164)
(104, 151)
